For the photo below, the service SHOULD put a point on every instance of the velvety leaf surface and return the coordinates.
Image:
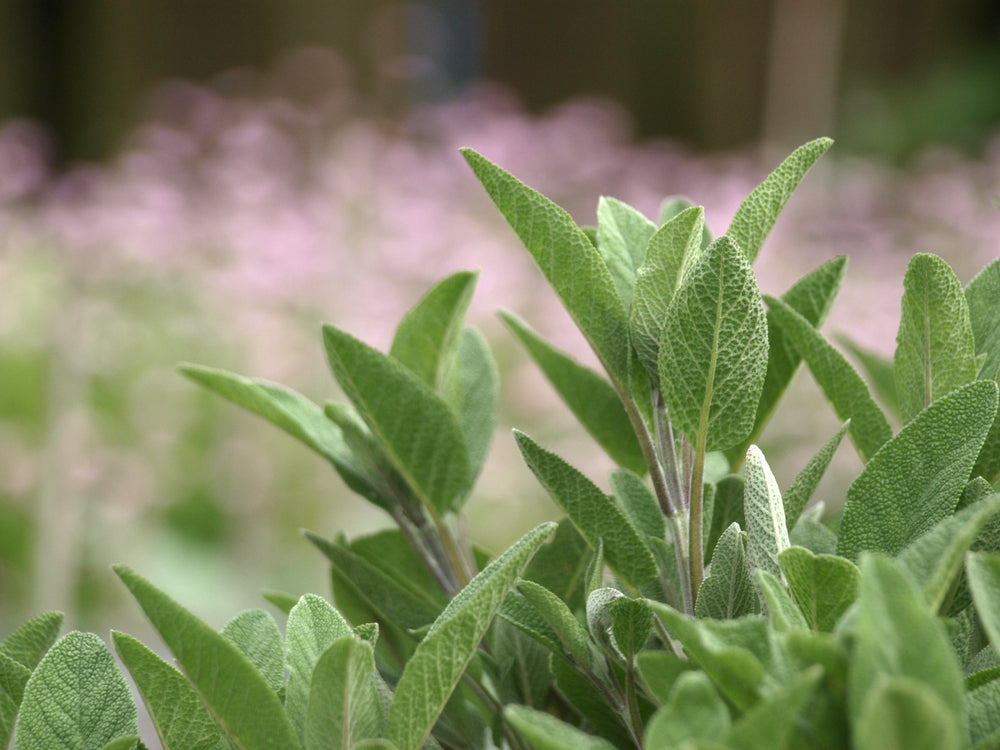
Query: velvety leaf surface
(28, 644)
(841, 384)
(781, 610)
(256, 634)
(878, 369)
(983, 297)
(728, 590)
(622, 236)
(801, 490)
(639, 503)
(75, 699)
(694, 709)
(659, 670)
(591, 398)
(672, 251)
(344, 706)
(713, 353)
(390, 551)
(823, 586)
(594, 513)
(756, 215)
(428, 334)
(182, 722)
(439, 661)
(727, 509)
(562, 621)
(631, 625)
(13, 678)
(767, 534)
(904, 714)
(982, 706)
(916, 479)
(983, 570)
(560, 566)
(935, 352)
(225, 679)
(546, 732)
(472, 388)
(770, 723)
(566, 257)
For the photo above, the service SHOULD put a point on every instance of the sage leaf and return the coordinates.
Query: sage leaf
(124, 743)
(416, 427)
(659, 670)
(756, 215)
(983, 297)
(561, 565)
(594, 513)
(75, 699)
(771, 722)
(727, 592)
(904, 714)
(591, 398)
(218, 670)
(804, 485)
(590, 705)
(13, 677)
(28, 644)
(563, 623)
(840, 383)
(694, 710)
(546, 732)
(935, 351)
(672, 251)
(982, 707)
(767, 534)
(256, 634)
(781, 610)
(916, 479)
(567, 258)
(472, 388)
(427, 336)
(823, 586)
(879, 370)
(438, 662)
(713, 353)
(622, 237)
(639, 503)
(727, 509)
(983, 570)
(181, 720)
(631, 625)
(344, 705)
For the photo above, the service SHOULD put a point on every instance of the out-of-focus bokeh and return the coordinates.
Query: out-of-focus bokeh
(211, 180)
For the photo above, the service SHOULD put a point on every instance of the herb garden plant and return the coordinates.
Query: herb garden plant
(698, 606)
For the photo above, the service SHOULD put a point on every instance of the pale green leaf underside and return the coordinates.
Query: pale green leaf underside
(935, 351)
(546, 732)
(781, 609)
(30, 641)
(439, 661)
(622, 237)
(256, 634)
(472, 387)
(728, 591)
(767, 534)
(694, 710)
(344, 705)
(13, 678)
(713, 352)
(905, 714)
(823, 586)
(983, 297)
(916, 479)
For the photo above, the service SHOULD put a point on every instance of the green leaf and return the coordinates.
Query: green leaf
(75, 699)
(823, 586)
(13, 677)
(982, 707)
(916, 479)
(28, 644)
(904, 714)
(804, 485)
(693, 710)
(182, 722)
(728, 591)
(439, 661)
(392, 553)
(843, 387)
(631, 625)
(983, 297)
(591, 398)
(812, 297)
(593, 512)
(782, 611)
(672, 252)
(122, 743)
(344, 705)
(756, 215)
(280, 599)
(659, 670)
(546, 732)
(815, 536)
(983, 570)
(590, 705)
(313, 626)
(897, 635)
(256, 634)
(563, 623)
(293, 413)
(217, 669)
(561, 565)
(568, 260)
(472, 386)
(622, 237)
(879, 369)
(935, 351)
(935, 559)
(713, 354)
(767, 534)
(770, 723)
(727, 509)
(418, 430)
(639, 503)
(428, 334)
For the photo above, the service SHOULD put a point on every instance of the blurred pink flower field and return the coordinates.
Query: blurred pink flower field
(228, 228)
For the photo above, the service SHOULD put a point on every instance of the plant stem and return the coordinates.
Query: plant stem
(648, 450)
(635, 719)
(666, 449)
(681, 551)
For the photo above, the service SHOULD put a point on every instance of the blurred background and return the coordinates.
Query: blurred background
(212, 180)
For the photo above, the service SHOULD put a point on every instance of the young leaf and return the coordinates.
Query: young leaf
(428, 334)
(916, 479)
(843, 387)
(771, 722)
(694, 709)
(13, 677)
(418, 430)
(802, 488)
(568, 260)
(672, 251)
(983, 297)
(344, 706)
(935, 352)
(897, 635)
(639, 503)
(256, 634)
(783, 613)
(879, 369)
(546, 732)
(593, 512)
(814, 536)
(561, 565)
(439, 661)
(75, 699)
(823, 586)
(713, 354)
(756, 215)
(590, 397)
(28, 644)
(622, 236)
(631, 625)
(983, 570)
(296, 415)
(567, 629)
(182, 722)
(217, 669)
(767, 534)
(812, 297)
(905, 714)
(727, 592)
(727, 509)
(313, 626)
(982, 705)
(280, 599)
